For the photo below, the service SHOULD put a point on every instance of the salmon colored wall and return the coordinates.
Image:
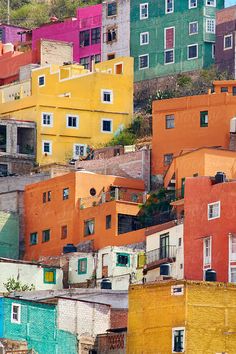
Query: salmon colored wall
(199, 192)
(187, 133)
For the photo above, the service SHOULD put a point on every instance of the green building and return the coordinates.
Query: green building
(172, 36)
(9, 235)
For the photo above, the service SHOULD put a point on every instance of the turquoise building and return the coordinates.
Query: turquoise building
(172, 36)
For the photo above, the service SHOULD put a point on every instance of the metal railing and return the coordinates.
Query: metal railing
(160, 253)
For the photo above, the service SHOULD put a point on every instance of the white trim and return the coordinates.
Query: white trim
(214, 5)
(140, 11)
(50, 147)
(179, 288)
(165, 29)
(173, 7)
(214, 21)
(51, 119)
(77, 121)
(231, 257)
(208, 207)
(193, 33)
(191, 45)
(228, 35)
(19, 313)
(191, 7)
(141, 36)
(206, 264)
(44, 80)
(230, 278)
(171, 62)
(143, 55)
(107, 120)
(173, 342)
(102, 96)
(213, 50)
(74, 154)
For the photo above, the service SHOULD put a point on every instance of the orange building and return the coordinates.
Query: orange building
(192, 122)
(81, 207)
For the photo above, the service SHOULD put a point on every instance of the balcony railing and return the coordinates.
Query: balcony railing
(163, 253)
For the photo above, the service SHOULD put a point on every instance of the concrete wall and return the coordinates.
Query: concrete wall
(9, 235)
(10, 92)
(55, 52)
(74, 277)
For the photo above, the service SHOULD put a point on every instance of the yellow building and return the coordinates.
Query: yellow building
(73, 107)
(182, 317)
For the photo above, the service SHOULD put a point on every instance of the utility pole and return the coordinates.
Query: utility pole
(8, 12)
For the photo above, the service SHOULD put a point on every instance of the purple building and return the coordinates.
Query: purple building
(84, 32)
(8, 33)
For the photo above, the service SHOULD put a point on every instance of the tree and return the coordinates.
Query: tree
(16, 285)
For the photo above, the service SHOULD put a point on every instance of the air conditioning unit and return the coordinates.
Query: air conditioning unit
(233, 125)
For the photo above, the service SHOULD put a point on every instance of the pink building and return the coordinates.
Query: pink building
(84, 32)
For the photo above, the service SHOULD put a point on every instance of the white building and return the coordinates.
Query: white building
(164, 245)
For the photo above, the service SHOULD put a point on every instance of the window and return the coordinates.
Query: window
(15, 313)
(79, 150)
(143, 61)
(193, 28)
(84, 38)
(46, 235)
(49, 276)
(47, 119)
(41, 80)
(164, 245)
(122, 260)
(111, 34)
(169, 56)
(144, 38)
(65, 193)
(169, 6)
(224, 89)
(82, 266)
(72, 121)
(110, 56)
(233, 248)
(107, 96)
(177, 290)
(46, 196)
(213, 210)
(111, 9)
(207, 251)
(192, 4)
(169, 42)
(228, 42)
(85, 62)
(233, 274)
(210, 25)
(168, 159)
(96, 35)
(33, 238)
(97, 58)
(213, 50)
(47, 147)
(1, 35)
(193, 51)
(178, 340)
(89, 226)
(49, 196)
(108, 221)
(204, 119)
(106, 126)
(211, 3)
(170, 121)
(143, 11)
(64, 232)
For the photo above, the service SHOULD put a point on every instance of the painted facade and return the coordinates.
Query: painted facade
(164, 246)
(9, 235)
(8, 33)
(104, 98)
(172, 37)
(84, 31)
(115, 29)
(170, 317)
(78, 208)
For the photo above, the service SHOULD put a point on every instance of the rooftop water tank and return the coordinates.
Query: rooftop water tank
(220, 177)
(165, 269)
(106, 284)
(69, 248)
(210, 275)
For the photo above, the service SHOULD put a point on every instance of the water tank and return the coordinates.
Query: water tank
(220, 177)
(69, 248)
(165, 269)
(210, 275)
(106, 284)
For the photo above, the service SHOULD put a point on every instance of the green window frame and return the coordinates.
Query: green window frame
(47, 274)
(204, 119)
(121, 260)
(82, 265)
(33, 238)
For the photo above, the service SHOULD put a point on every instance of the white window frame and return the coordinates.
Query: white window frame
(74, 149)
(208, 209)
(165, 30)
(190, 6)
(38, 80)
(213, 5)
(230, 277)
(51, 119)
(193, 33)
(213, 21)
(173, 7)
(13, 320)
(173, 342)
(50, 147)
(171, 62)
(104, 131)
(191, 45)
(232, 256)
(204, 252)
(213, 50)
(103, 91)
(143, 55)
(77, 121)
(228, 35)
(140, 11)
(179, 288)
(141, 36)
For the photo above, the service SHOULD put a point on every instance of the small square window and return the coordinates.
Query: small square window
(144, 38)
(170, 121)
(213, 210)
(122, 260)
(41, 80)
(169, 6)
(193, 51)
(16, 313)
(168, 159)
(47, 119)
(178, 335)
(169, 56)
(204, 119)
(49, 276)
(111, 34)
(72, 121)
(47, 147)
(107, 96)
(211, 3)
(82, 266)
(192, 4)
(65, 193)
(210, 25)
(177, 290)
(111, 9)
(79, 150)
(106, 126)
(193, 28)
(85, 62)
(84, 38)
(89, 226)
(224, 89)
(64, 232)
(143, 61)
(228, 42)
(108, 221)
(143, 11)
(46, 235)
(33, 238)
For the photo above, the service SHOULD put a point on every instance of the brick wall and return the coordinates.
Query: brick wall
(119, 318)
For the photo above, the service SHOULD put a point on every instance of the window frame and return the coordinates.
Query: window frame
(140, 11)
(74, 150)
(118, 264)
(192, 45)
(173, 339)
(213, 5)
(54, 271)
(207, 259)
(63, 228)
(107, 120)
(106, 91)
(43, 235)
(193, 33)
(228, 36)
(190, 6)
(108, 221)
(72, 116)
(50, 147)
(33, 234)
(111, 3)
(204, 124)
(170, 120)
(166, 163)
(141, 36)
(230, 273)
(97, 38)
(13, 320)
(166, 7)
(80, 260)
(146, 67)
(65, 193)
(208, 210)
(40, 77)
(85, 221)
(51, 119)
(82, 36)
(207, 21)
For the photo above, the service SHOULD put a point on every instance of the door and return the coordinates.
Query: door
(164, 246)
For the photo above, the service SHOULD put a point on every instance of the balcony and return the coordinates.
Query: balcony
(159, 256)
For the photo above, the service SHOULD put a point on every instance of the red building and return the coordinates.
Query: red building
(210, 228)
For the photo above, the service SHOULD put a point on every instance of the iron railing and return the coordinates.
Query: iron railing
(160, 253)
